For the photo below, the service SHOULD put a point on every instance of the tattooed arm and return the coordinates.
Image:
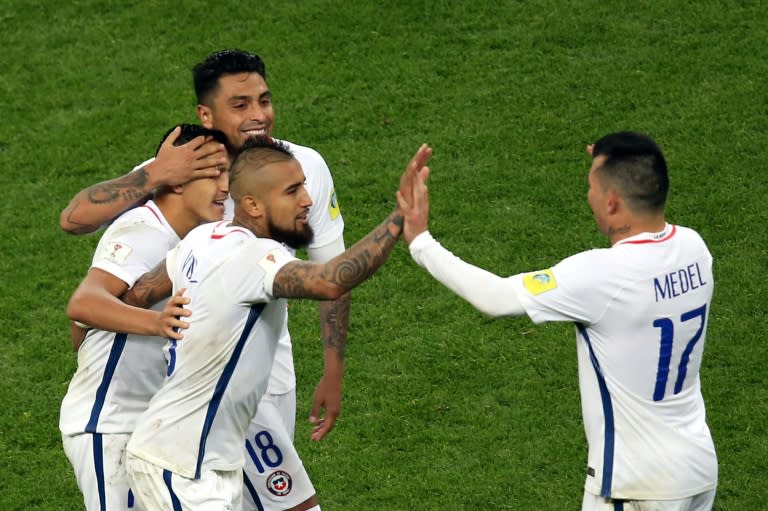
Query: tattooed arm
(153, 286)
(329, 281)
(95, 303)
(326, 401)
(98, 204)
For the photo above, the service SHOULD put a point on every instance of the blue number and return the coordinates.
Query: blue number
(667, 328)
(269, 453)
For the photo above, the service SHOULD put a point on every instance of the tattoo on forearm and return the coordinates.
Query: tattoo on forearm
(334, 319)
(306, 280)
(130, 188)
(150, 288)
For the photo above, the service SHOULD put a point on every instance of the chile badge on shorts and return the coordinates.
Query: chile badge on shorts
(279, 483)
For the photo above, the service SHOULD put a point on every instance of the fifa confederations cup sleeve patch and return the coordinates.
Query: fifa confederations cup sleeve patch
(334, 210)
(539, 281)
(274, 260)
(116, 252)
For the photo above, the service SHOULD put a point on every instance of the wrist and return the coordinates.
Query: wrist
(153, 176)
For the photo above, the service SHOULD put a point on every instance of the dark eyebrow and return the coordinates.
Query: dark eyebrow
(266, 93)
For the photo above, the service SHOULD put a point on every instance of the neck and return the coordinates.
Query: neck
(621, 230)
(179, 219)
(251, 224)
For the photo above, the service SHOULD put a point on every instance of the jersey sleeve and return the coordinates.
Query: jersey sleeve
(572, 290)
(129, 250)
(261, 260)
(325, 214)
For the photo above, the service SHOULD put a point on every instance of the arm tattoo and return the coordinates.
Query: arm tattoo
(334, 323)
(300, 279)
(129, 188)
(152, 287)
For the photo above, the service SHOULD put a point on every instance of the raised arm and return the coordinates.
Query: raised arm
(487, 292)
(98, 204)
(329, 281)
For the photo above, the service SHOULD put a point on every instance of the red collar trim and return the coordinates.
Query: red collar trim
(662, 236)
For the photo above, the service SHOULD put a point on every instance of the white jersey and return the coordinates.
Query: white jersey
(219, 371)
(117, 374)
(328, 225)
(640, 309)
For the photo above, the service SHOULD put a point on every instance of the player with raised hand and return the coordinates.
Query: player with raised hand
(233, 96)
(640, 309)
(187, 449)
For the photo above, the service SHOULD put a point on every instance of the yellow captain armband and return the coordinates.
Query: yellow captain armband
(539, 282)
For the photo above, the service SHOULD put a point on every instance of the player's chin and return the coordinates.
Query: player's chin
(215, 212)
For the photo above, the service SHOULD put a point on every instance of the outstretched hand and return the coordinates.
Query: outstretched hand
(413, 196)
(198, 158)
(169, 323)
(415, 166)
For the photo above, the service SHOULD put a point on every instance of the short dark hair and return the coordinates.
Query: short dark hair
(206, 74)
(191, 132)
(635, 164)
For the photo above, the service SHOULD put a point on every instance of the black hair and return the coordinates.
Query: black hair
(635, 164)
(192, 131)
(206, 74)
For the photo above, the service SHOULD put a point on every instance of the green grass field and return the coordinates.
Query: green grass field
(444, 408)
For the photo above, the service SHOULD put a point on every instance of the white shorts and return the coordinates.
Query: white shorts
(161, 490)
(98, 460)
(274, 477)
(701, 502)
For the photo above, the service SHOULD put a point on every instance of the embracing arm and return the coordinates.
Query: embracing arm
(98, 204)
(153, 286)
(96, 303)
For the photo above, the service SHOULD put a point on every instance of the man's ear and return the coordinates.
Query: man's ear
(252, 206)
(612, 203)
(205, 115)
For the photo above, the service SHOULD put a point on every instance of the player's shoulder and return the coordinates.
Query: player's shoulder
(688, 233)
(307, 156)
(147, 217)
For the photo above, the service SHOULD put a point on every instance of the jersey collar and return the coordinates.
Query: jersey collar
(650, 237)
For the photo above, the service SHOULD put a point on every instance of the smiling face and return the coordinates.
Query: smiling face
(203, 199)
(241, 107)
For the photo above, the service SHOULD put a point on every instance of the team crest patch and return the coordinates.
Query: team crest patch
(117, 252)
(279, 483)
(333, 206)
(539, 282)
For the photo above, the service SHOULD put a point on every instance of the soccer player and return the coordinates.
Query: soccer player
(186, 451)
(117, 373)
(640, 309)
(233, 96)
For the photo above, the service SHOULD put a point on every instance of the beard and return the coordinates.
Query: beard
(294, 239)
